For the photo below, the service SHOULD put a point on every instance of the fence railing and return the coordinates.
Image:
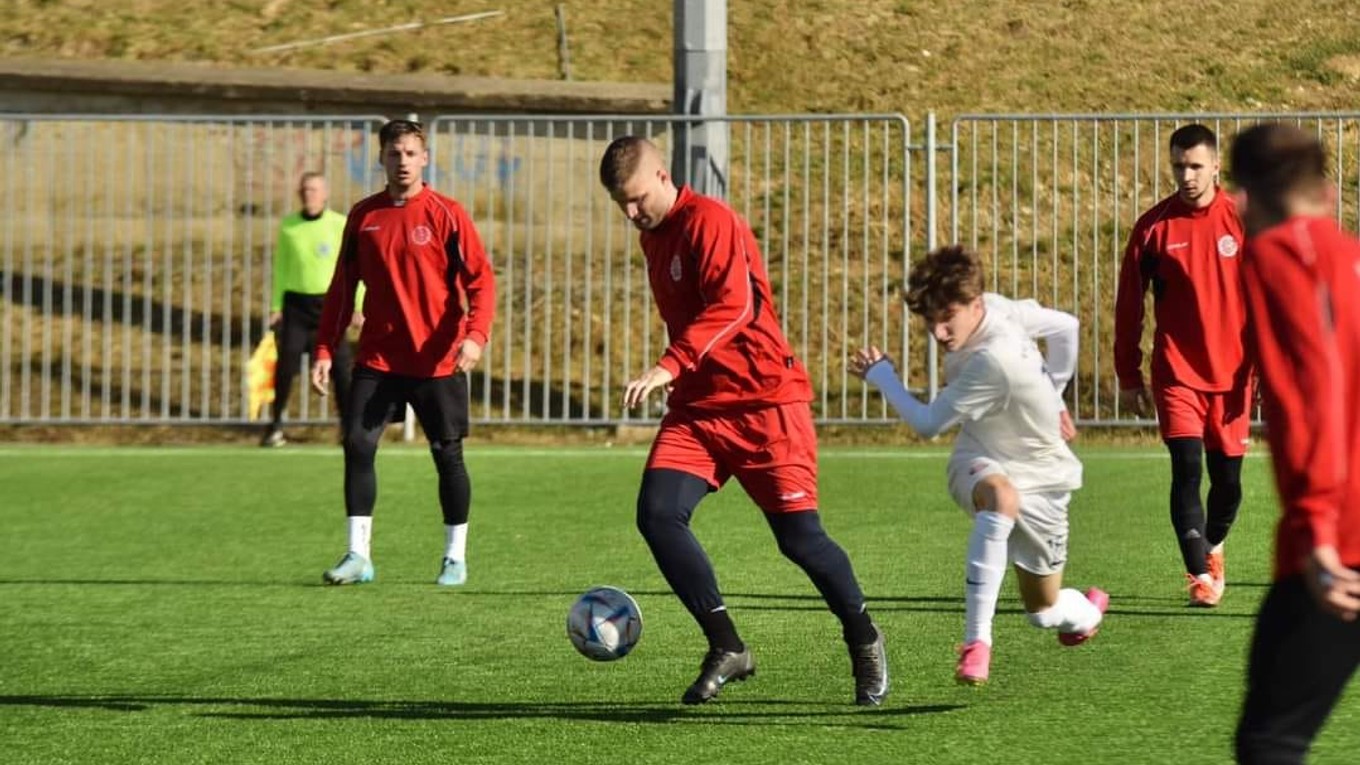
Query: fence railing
(137, 251)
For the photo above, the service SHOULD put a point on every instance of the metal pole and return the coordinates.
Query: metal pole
(701, 90)
(932, 213)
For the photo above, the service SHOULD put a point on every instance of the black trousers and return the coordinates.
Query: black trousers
(296, 335)
(1301, 660)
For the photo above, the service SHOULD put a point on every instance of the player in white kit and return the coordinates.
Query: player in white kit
(1011, 468)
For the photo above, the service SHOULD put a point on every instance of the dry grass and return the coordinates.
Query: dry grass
(811, 55)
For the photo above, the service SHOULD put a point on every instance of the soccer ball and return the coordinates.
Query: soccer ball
(604, 624)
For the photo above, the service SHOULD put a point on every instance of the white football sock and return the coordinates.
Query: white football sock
(984, 573)
(1072, 613)
(360, 533)
(455, 538)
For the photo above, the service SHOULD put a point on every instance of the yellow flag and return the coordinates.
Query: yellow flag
(260, 375)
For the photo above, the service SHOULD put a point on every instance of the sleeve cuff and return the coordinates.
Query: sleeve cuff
(670, 364)
(323, 353)
(882, 375)
(477, 336)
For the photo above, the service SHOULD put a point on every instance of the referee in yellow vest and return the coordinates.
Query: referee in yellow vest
(304, 260)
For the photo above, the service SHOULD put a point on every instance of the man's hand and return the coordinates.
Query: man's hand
(865, 358)
(275, 317)
(1066, 427)
(357, 320)
(1335, 587)
(1136, 400)
(469, 353)
(321, 376)
(636, 391)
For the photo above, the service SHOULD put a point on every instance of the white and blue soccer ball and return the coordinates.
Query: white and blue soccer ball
(604, 624)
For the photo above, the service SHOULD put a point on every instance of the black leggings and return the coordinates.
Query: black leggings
(666, 503)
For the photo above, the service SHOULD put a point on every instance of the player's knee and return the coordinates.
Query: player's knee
(1224, 472)
(997, 494)
(799, 536)
(359, 446)
(448, 455)
(657, 511)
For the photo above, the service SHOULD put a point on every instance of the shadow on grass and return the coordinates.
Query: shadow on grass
(724, 712)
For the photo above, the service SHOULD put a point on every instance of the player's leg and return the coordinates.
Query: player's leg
(1182, 416)
(291, 337)
(1225, 443)
(1300, 661)
(441, 405)
(773, 453)
(981, 486)
(679, 473)
(1038, 549)
(373, 397)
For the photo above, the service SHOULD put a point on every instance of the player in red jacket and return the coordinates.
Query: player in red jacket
(1186, 249)
(1302, 279)
(738, 408)
(431, 295)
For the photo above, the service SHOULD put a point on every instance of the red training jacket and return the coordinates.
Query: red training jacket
(1302, 280)
(429, 284)
(726, 350)
(1190, 258)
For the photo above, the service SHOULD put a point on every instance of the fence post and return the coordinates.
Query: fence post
(932, 241)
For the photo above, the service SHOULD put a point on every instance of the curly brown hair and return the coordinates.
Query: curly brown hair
(944, 278)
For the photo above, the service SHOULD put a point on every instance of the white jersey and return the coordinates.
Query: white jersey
(1002, 391)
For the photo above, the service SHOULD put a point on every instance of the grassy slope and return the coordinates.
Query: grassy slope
(162, 606)
(811, 55)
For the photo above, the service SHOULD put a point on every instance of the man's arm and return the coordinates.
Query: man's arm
(979, 390)
(724, 261)
(282, 272)
(1061, 333)
(1298, 357)
(338, 308)
(1129, 311)
(478, 279)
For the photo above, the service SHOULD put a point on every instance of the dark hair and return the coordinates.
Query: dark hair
(1188, 137)
(398, 128)
(947, 276)
(1272, 159)
(621, 160)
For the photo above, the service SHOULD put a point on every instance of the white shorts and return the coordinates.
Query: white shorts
(1039, 542)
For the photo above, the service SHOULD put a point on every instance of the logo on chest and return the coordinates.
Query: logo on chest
(421, 235)
(323, 250)
(677, 270)
(1227, 246)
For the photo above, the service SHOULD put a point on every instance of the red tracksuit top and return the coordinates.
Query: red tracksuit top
(726, 350)
(1302, 281)
(1191, 259)
(429, 284)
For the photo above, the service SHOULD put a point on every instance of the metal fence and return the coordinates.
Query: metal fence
(829, 200)
(137, 251)
(1049, 201)
(137, 257)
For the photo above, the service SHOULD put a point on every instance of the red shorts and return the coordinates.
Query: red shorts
(1222, 419)
(772, 452)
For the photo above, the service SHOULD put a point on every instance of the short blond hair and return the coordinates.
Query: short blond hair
(621, 160)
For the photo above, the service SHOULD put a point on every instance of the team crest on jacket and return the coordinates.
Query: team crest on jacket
(422, 235)
(675, 267)
(1227, 246)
